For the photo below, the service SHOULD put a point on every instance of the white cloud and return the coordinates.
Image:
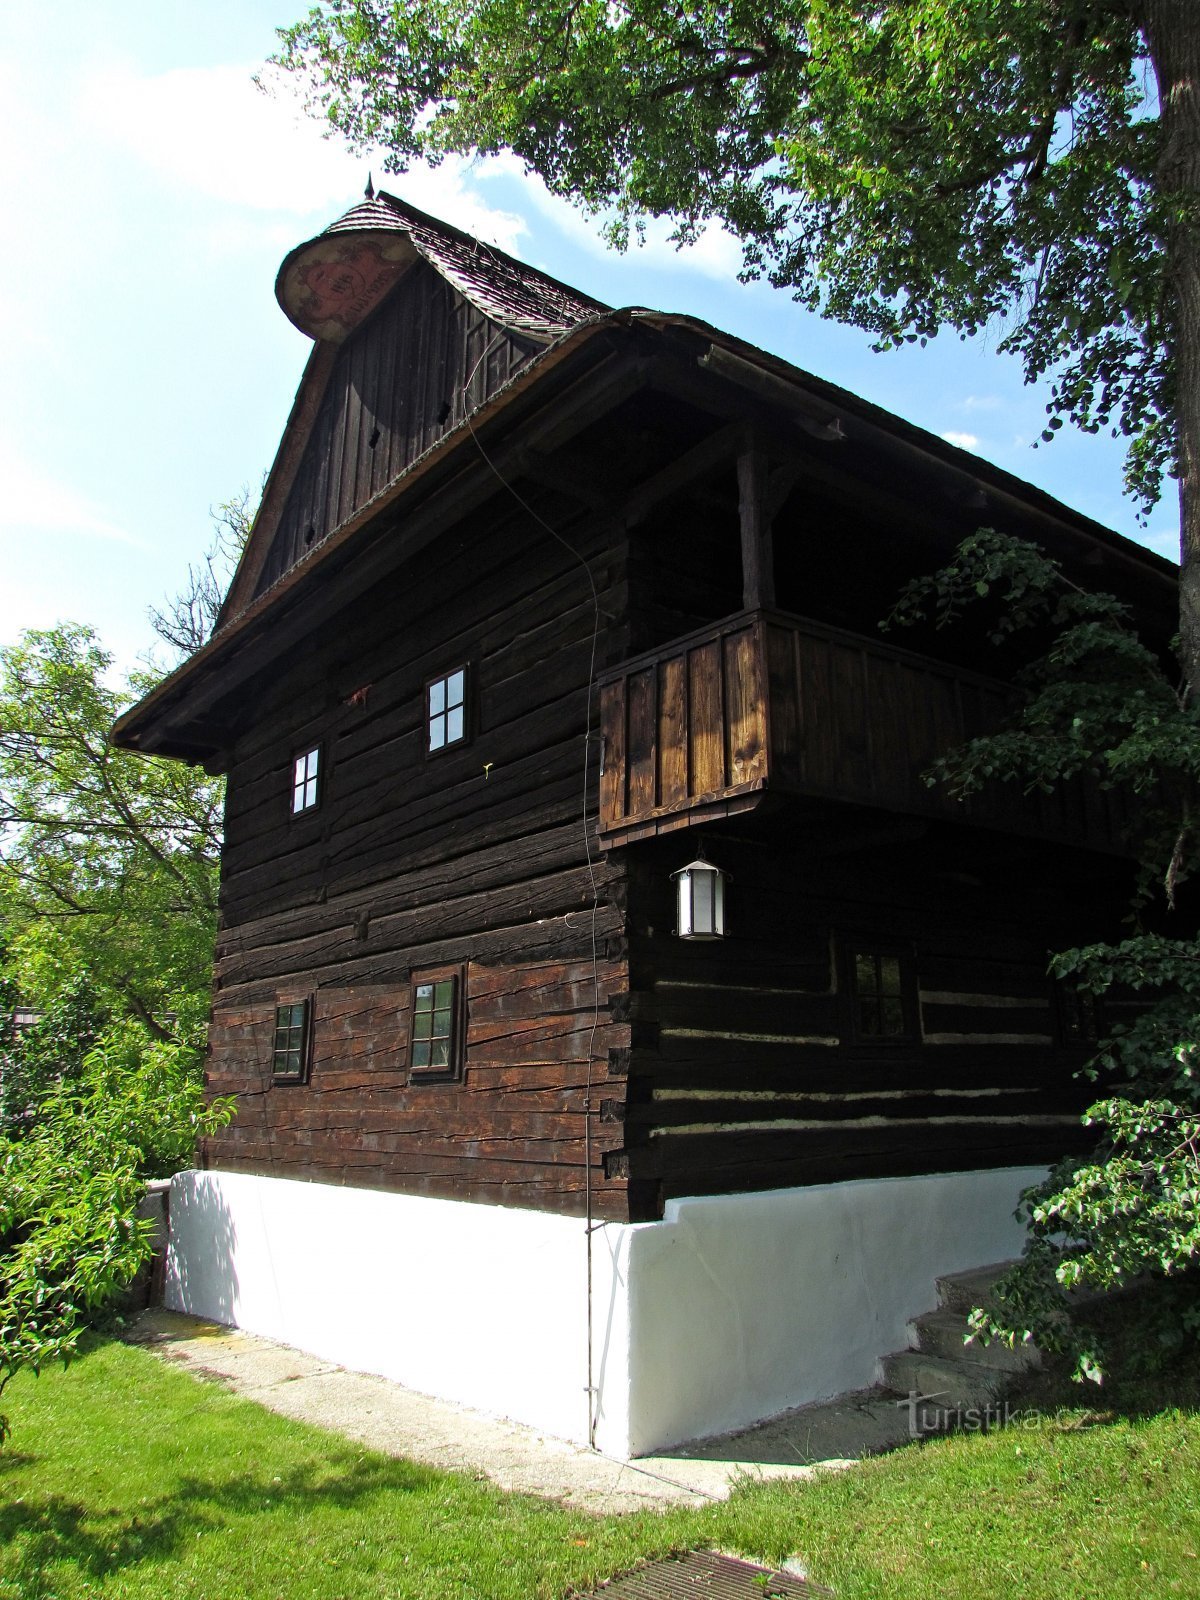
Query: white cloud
(34, 502)
(211, 130)
(444, 192)
(983, 402)
(964, 441)
(716, 254)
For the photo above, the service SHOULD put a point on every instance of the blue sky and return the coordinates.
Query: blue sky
(151, 191)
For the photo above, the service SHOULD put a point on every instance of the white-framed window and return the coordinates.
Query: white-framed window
(306, 781)
(446, 710)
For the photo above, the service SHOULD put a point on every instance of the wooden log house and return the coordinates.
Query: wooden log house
(544, 599)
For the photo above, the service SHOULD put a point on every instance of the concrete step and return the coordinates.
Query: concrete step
(963, 1291)
(958, 1385)
(943, 1333)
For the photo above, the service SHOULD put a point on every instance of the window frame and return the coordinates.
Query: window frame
(432, 753)
(318, 780)
(851, 947)
(452, 1072)
(303, 1048)
(1079, 1018)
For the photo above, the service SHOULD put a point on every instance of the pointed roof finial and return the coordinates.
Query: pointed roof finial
(369, 191)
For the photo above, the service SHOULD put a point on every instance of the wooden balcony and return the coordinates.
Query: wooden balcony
(705, 726)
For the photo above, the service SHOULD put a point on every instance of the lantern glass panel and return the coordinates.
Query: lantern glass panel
(702, 901)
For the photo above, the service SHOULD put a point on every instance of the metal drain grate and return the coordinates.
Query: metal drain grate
(702, 1575)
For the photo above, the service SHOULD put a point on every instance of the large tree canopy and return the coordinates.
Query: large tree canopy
(108, 860)
(903, 165)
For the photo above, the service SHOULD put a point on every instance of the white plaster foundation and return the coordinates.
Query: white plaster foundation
(732, 1308)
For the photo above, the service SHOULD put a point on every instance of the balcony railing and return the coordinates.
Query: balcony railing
(704, 726)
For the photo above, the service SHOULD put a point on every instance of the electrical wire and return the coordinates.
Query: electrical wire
(238, 933)
(581, 560)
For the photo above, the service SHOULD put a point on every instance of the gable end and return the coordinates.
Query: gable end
(408, 376)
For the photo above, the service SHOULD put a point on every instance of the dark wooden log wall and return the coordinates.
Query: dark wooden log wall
(742, 1073)
(475, 856)
(404, 379)
(717, 1067)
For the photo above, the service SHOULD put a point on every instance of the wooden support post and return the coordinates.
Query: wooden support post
(758, 561)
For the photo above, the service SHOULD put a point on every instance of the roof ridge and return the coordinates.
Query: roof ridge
(511, 292)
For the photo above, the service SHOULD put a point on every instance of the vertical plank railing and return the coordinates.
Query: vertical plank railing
(700, 727)
(685, 727)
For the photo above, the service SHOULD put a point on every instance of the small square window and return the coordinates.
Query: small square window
(306, 785)
(881, 995)
(446, 710)
(435, 1049)
(289, 1055)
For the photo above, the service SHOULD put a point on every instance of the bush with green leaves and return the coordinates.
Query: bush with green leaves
(48, 1049)
(1099, 702)
(70, 1184)
(108, 879)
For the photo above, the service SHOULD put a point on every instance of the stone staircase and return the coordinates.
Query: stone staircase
(938, 1385)
(948, 1384)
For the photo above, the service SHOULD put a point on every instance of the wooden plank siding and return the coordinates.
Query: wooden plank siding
(476, 856)
(401, 382)
(703, 726)
(743, 1071)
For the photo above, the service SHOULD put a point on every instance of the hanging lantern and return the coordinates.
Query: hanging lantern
(700, 900)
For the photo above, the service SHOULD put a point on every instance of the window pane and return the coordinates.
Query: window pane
(441, 1053)
(304, 781)
(437, 696)
(892, 1017)
(422, 1025)
(454, 725)
(864, 973)
(437, 732)
(420, 1053)
(441, 1024)
(444, 993)
(889, 976)
(454, 689)
(424, 997)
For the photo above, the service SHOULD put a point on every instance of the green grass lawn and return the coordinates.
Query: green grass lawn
(127, 1477)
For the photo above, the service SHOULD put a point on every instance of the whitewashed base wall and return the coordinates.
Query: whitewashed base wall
(734, 1307)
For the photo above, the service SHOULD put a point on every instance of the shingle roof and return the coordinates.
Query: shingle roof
(514, 295)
